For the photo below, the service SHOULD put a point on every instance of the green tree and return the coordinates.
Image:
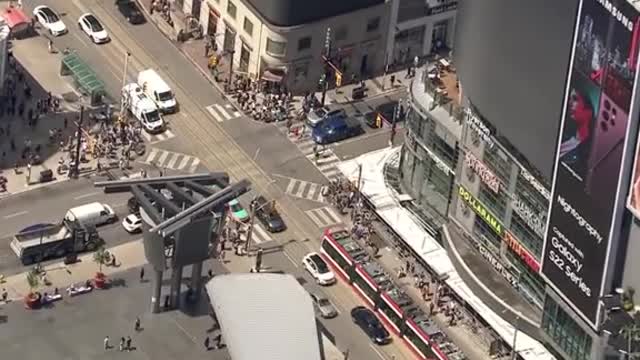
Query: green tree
(33, 279)
(101, 257)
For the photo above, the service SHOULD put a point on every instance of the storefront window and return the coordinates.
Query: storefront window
(526, 236)
(565, 332)
(499, 162)
(496, 202)
(275, 48)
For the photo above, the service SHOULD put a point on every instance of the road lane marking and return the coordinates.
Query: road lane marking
(87, 195)
(19, 213)
(223, 111)
(377, 352)
(213, 113)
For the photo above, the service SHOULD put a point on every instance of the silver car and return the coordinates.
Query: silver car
(316, 116)
(323, 306)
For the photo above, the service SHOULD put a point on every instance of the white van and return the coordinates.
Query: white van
(158, 90)
(93, 214)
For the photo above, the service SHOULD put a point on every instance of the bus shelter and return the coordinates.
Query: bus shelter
(85, 79)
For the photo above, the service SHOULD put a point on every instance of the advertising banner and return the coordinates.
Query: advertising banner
(601, 83)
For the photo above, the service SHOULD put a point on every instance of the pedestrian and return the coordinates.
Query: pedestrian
(207, 48)
(121, 345)
(206, 343)
(141, 274)
(137, 324)
(128, 343)
(66, 122)
(222, 255)
(113, 257)
(106, 343)
(392, 80)
(5, 295)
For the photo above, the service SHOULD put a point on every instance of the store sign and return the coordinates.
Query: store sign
(524, 255)
(486, 175)
(535, 220)
(434, 10)
(583, 203)
(535, 184)
(497, 264)
(479, 127)
(480, 210)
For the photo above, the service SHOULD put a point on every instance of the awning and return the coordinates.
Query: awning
(15, 18)
(85, 77)
(273, 75)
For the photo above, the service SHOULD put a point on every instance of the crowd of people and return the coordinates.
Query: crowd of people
(261, 100)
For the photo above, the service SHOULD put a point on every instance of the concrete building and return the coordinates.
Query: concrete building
(286, 38)
(522, 165)
(419, 27)
(5, 31)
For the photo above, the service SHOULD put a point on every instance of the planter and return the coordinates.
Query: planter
(100, 281)
(31, 301)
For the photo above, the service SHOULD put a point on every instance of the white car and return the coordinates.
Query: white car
(50, 20)
(132, 223)
(93, 28)
(318, 268)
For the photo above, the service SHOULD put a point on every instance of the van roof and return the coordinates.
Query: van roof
(87, 208)
(156, 82)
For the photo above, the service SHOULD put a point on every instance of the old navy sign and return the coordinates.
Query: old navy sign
(520, 251)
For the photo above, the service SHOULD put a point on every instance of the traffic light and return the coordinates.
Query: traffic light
(323, 78)
(378, 120)
(338, 79)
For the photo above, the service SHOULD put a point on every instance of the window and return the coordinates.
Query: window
(231, 9)
(248, 26)
(304, 43)
(373, 24)
(276, 48)
(341, 33)
(565, 331)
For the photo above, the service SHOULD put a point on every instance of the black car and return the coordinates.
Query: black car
(370, 324)
(385, 113)
(130, 10)
(267, 214)
(133, 205)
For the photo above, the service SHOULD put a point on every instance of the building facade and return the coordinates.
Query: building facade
(418, 28)
(4, 51)
(505, 163)
(288, 38)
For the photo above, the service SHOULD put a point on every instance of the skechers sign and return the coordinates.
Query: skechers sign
(480, 210)
(587, 173)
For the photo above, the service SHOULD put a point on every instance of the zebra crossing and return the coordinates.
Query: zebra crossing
(324, 216)
(258, 236)
(223, 113)
(154, 138)
(305, 190)
(171, 160)
(327, 163)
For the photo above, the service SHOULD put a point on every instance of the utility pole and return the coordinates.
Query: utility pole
(326, 58)
(252, 219)
(123, 103)
(75, 172)
(359, 187)
(396, 115)
(514, 353)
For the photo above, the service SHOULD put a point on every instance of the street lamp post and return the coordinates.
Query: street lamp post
(123, 109)
(514, 353)
(75, 172)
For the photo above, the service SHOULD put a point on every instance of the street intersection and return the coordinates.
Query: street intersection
(208, 133)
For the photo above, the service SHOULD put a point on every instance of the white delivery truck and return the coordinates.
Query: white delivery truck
(142, 108)
(158, 90)
(93, 214)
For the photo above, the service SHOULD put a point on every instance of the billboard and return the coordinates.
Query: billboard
(594, 128)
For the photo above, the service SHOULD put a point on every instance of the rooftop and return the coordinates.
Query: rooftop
(297, 12)
(272, 312)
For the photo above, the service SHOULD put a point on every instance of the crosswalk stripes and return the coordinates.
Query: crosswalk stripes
(222, 113)
(258, 236)
(324, 216)
(154, 138)
(305, 190)
(171, 160)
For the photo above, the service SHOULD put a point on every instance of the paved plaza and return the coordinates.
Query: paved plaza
(74, 328)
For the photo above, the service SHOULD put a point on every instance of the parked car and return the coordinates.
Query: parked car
(93, 28)
(132, 223)
(315, 117)
(130, 10)
(336, 129)
(318, 268)
(238, 213)
(268, 215)
(370, 324)
(385, 111)
(323, 305)
(50, 20)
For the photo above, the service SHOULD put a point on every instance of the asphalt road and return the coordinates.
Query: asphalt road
(49, 205)
(240, 146)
